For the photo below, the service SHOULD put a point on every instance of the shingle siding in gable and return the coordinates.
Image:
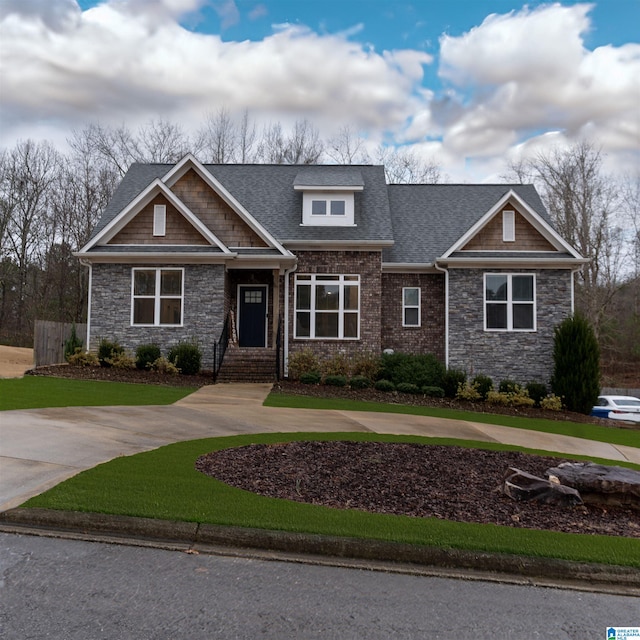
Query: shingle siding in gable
(521, 356)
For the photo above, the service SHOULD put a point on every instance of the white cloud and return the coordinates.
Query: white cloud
(129, 60)
(529, 71)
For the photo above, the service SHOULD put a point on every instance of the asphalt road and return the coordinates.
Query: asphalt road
(75, 590)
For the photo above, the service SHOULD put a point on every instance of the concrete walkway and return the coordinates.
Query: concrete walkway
(41, 447)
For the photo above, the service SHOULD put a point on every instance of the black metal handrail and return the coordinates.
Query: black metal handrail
(220, 348)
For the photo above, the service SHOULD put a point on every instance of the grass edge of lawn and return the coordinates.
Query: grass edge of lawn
(43, 392)
(164, 484)
(611, 435)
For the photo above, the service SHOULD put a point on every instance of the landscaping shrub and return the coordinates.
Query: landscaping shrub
(508, 386)
(551, 403)
(337, 365)
(187, 357)
(162, 365)
(311, 377)
(484, 384)
(72, 345)
(83, 358)
(537, 391)
(146, 355)
(301, 362)
(421, 370)
(106, 351)
(360, 382)
(468, 391)
(451, 380)
(576, 356)
(336, 381)
(520, 398)
(366, 364)
(122, 360)
(498, 398)
(385, 385)
(433, 392)
(408, 387)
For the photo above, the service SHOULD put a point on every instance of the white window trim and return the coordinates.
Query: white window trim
(311, 279)
(509, 303)
(327, 219)
(157, 297)
(159, 219)
(412, 306)
(508, 226)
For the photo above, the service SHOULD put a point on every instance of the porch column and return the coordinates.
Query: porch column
(275, 306)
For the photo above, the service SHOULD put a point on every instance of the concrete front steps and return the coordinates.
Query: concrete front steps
(248, 364)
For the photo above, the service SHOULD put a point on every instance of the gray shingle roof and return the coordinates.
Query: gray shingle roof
(423, 221)
(428, 219)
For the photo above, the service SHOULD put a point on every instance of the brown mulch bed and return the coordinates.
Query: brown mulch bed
(447, 482)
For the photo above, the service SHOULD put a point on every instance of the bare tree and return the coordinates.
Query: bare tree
(217, 140)
(405, 166)
(346, 147)
(246, 140)
(302, 146)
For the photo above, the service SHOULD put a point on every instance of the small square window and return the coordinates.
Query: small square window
(337, 207)
(318, 207)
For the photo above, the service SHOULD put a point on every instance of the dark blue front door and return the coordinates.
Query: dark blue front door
(252, 316)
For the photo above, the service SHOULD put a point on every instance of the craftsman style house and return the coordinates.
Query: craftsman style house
(273, 259)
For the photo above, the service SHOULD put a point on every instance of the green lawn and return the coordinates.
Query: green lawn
(34, 392)
(164, 484)
(613, 435)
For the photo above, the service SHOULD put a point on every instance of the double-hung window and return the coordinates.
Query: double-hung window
(411, 306)
(157, 296)
(510, 302)
(327, 306)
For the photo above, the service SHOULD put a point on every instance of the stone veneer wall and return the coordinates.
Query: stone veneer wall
(203, 311)
(366, 263)
(429, 337)
(520, 356)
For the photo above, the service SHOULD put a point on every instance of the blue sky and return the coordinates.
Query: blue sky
(468, 83)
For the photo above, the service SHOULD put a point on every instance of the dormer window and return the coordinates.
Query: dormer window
(328, 195)
(328, 207)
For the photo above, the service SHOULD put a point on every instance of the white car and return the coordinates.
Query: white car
(626, 408)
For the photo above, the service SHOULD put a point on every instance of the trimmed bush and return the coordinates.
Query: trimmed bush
(366, 364)
(498, 397)
(433, 392)
(146, 355)
(187, 357)
(421, 370)
(336, 381)
(537, 391)
(72, 345)
(337, 365)
(301, 362)
(122, 360)
(508, 386)
(452, 380)
(483, 384)
(576, 356)
(83, 358)
(107, 350)
(360, 382)
(551, 403)
(385, 385)
(468, 391)
(408, 387)
(162, 365)
(311, 377)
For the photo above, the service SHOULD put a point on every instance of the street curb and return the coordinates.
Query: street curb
(191, 534)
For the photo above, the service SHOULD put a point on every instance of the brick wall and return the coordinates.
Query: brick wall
(203, 312)
(520, 356)
(365, 263)
(429, 337)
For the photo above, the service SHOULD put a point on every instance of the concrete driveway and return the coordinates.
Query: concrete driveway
(41, 447)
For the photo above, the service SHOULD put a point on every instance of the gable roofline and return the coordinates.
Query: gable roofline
(134, 207)
(191, 162)
(529, 213)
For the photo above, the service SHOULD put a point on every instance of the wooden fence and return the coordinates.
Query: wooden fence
(49, 339)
